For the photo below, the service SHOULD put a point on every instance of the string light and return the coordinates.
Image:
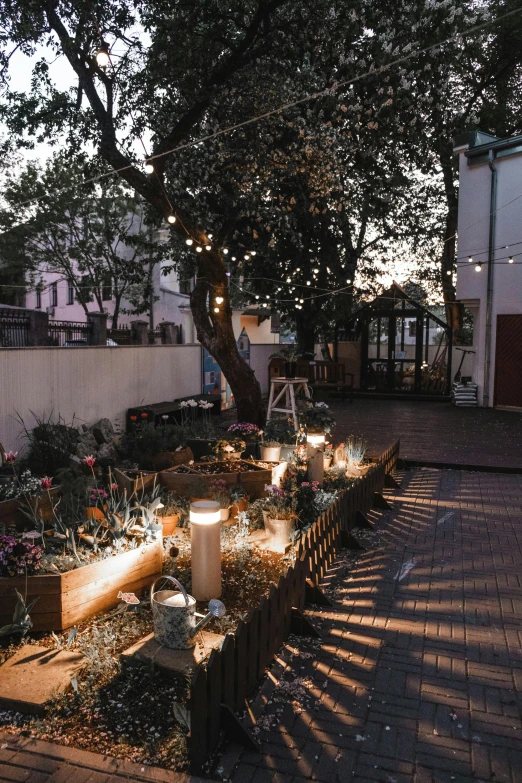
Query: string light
(470, 260)
(149, 168)
(189, 242)
(233, 258)
(225, 252)
(308, 282)
(209, 236)
(246, 256)
(348, 281)
(252, 252)
(208, 247)
(199, 249)
(478, 266)
(102, 55)
(171, 219)
(448, 272)
(219, 300)
(510, 260)
(216, 309)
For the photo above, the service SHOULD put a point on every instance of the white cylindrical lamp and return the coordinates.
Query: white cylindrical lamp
(205, 535)
(315, 452)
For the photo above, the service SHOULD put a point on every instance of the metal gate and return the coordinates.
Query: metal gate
(508, 361)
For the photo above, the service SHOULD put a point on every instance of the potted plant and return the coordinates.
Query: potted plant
(290, 353)
(317, 418)
(283, 432)
(355, 449)
(239, 500)
(169, 515)
(219, 492)
(270, 451)
(280, 516)
(229, 449)
(250, 433)
(328, 456)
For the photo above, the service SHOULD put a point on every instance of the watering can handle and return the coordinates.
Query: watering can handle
(178, 585)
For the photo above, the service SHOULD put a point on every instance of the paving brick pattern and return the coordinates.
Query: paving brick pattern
(419, 679)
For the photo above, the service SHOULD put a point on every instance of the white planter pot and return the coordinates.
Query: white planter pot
(270, 453)
(279, 532)
(287, 452)
(224, 513)
(327, 462)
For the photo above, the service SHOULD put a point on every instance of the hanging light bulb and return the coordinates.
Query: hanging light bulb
(510, 260)
(199, 249)
(171, 219)
(308, 282)
(225, 251)
(265, 304)
(470, 260)
(448, 272)
(102, 55)
(316, 270)
(246, 256)
(257, 296)
(219, 300)
(209, 236)
(216, 309)
(478, 266)
(208, 247)
(252, 252)
(348, 281)
(228, 274)
(149, 168)
(189, 242)
(233, 258)
(301, 301)
(288, 280)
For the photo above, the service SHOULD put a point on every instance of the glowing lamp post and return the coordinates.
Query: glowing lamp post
(205, 533)
(315, 452)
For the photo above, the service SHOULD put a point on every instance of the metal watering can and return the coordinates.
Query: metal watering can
(174, 615)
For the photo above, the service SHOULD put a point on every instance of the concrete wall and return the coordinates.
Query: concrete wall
(91, 382)
(473, 237)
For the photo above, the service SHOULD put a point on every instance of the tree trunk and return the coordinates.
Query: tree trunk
(214, 331)
(116, 311)
(454, 309)
(305, 331)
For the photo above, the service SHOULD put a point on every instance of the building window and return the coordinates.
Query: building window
(70, 294)
(54, 295)
(38, 298)
(107, 289)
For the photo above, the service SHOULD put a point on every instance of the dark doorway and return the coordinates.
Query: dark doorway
(508, 361)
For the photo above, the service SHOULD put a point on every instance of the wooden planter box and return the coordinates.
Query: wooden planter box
(131, 481)
(187, 479)
(11, 513)
(67, 599)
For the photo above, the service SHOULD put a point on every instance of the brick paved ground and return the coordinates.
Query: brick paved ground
(416, 680)
(435, 431)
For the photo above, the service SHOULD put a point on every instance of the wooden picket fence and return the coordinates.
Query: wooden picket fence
(233, 673)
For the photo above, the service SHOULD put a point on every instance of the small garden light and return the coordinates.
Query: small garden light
(205, 533)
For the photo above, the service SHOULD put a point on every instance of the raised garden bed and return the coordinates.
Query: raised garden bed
(187, 479)
(67, 599)
(134, 480)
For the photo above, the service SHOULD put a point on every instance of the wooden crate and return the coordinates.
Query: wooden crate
(255, 480)
(132, 481)
(67, 599)
(186, 479)
(11, 510)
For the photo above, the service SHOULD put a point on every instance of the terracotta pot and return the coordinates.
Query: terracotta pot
(225, 513)
(241, 505)
(169, 459)
(169, 524)
(327, 462)
(270, 453)
(93, 512)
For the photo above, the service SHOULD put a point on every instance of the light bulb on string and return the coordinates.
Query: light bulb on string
(209, 236)
(449, 272)
(470, 260)
(199, 249)
(208, 247)
(219, 300)
(478, 266)
(301, 301)
(149, 168)
(189, 242)
(510, 260)
(246, 257)
(252, 252)
(102, 55)
(171, 219)
(225, 252)
(228, 274)
(348, 281)
(216, 309)
(233, 258)
(308, 282)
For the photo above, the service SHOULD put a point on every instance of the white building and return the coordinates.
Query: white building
(489, 268)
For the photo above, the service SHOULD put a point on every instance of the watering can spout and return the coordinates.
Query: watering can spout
(215, 609)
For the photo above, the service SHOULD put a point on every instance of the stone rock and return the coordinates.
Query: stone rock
(103, 431)
(34, 674)
(87, 445)
(106, 451)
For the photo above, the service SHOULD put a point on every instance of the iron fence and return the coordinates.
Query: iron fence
(121, 334)
(14, 328)
(69, 333)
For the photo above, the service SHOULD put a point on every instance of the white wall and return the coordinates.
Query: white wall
(259, 359)
(473, 239)
(92, 382)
